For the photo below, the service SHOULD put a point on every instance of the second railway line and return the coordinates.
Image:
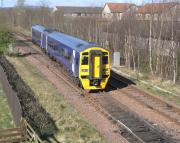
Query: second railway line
(161, 106)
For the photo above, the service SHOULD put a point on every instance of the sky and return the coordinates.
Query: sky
(52, 3)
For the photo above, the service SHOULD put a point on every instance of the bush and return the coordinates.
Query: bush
(32, 111)
(6, 38)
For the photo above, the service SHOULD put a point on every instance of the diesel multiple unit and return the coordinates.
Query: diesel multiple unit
(86, 62)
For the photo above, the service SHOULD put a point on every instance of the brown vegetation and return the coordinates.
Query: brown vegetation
(150, 46)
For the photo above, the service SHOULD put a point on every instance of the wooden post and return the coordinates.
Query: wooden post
(24, 128)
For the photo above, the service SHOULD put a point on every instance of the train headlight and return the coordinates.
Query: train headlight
(84, 70)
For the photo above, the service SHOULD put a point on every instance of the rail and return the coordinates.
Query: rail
(158, 104)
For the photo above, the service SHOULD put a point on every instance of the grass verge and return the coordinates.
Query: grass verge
(5, 39)
(6, 120)
(71, 126)
(156, 92)
(154, 81)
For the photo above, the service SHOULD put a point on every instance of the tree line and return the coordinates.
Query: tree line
(149, 46)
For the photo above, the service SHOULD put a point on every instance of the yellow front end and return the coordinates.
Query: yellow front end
(94, 68)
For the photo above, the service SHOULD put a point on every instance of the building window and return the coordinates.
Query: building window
(148, 16)
(78, 14)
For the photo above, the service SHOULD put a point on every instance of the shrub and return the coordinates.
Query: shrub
(6, 38)
(33, 112)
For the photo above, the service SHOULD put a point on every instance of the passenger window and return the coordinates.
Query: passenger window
(105, 53)
(105, 60)
(85, 60)
(60, 51)
(86, 53)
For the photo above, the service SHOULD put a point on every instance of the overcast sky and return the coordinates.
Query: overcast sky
(10, 3)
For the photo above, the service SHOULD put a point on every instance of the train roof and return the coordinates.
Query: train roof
(40, 28)
(70, 41)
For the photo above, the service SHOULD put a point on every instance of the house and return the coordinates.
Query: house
(79, 11)
(157, 11)
(117, 10)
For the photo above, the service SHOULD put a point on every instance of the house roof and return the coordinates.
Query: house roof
(70, 9)
(119, 7)
(156, 7)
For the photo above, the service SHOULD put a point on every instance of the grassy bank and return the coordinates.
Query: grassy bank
(5, 39)
(71, 126)
(6, 120)
(152, 81)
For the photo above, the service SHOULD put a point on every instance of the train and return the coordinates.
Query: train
(87, 62)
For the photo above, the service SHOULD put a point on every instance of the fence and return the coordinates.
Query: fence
(13, 135)
(23, 132)
(12, 98)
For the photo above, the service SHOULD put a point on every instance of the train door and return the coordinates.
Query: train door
(73, 61)
(44, 41)
(41, 39)
(95, 67)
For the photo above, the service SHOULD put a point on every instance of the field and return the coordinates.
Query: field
(71, 126)
(5, 114)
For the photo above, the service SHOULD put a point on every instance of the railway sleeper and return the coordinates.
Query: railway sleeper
(151, 137)
(139, 130)
(115, 111)
(130, 138)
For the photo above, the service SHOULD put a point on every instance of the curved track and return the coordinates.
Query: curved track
(131, 126)
(159, 105)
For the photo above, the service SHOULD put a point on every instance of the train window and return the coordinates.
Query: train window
(66, 53)
(69, 56)
(105, 53)
(86, 53)
(85, 60)
(37, 35)
(60, 51)
(63, 52)
(105, 60)
(55, 48)
(79, 45)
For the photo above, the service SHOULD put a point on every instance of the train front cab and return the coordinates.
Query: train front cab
(94, 69)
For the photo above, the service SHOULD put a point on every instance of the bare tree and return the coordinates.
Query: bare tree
(20, 3)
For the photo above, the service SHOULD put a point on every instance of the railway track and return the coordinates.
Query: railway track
(131, 127)
(160, 106)
(142, 130)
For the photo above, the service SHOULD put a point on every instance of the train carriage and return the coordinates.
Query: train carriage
(88, 63)
(37, 32)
